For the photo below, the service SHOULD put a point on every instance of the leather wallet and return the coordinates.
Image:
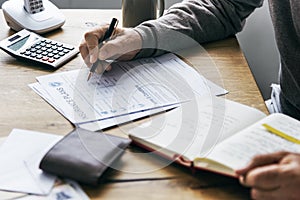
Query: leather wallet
(83, 155)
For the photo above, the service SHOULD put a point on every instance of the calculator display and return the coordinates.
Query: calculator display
(16, 46)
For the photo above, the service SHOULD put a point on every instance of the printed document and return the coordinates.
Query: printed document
(130, 88)
(100, 124)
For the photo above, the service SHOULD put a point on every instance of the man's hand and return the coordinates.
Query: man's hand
(273, 176)
(124, 45)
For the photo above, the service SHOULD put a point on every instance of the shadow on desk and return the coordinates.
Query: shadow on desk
(130, 177)
(13, 62)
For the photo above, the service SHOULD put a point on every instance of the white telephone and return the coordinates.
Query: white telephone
(39, 16)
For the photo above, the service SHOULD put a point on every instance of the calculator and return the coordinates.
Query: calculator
(29, 46)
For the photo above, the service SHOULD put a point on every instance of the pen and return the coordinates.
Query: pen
(107, 35)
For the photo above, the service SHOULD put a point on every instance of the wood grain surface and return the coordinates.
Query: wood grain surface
(137, 175)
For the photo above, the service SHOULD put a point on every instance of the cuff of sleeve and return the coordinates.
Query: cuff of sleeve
(149, 41)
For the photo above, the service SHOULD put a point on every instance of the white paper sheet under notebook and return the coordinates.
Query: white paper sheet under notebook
(20, 156)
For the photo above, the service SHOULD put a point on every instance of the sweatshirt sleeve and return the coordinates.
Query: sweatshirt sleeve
(194, 21)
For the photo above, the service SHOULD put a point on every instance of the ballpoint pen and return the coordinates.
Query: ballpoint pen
(107, 35)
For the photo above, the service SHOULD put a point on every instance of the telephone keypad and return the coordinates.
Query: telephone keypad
(34, 6)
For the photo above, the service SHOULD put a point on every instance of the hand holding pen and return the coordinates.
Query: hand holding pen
(121, 44)
(108, 34)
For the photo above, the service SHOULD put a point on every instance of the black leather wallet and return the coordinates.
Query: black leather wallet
(83, 155)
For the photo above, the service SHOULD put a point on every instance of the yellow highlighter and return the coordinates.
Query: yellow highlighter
(281, 134)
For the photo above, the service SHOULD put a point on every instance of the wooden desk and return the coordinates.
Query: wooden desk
(22, 108)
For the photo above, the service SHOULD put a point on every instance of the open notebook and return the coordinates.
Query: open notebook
(220, 136)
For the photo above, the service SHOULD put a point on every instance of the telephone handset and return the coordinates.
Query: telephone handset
(34, 6)
(39, 16)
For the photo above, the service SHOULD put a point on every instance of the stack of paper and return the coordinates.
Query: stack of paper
(20, 176)
(129, 91)
(20, 155)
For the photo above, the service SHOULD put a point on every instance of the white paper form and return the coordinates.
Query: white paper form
(20, 156)
(129, 88)
(100, 124)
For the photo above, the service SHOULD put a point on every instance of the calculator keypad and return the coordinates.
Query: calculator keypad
(47, 51)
